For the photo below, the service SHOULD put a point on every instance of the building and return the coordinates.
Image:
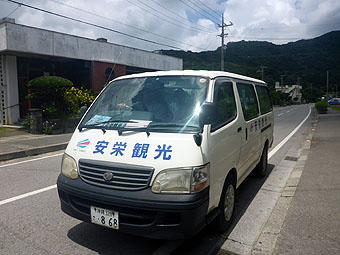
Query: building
(28, 52)
(294, 91)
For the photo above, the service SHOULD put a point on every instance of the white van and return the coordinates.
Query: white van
(161, 154)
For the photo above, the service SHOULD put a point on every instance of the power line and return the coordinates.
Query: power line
(214, 17)
(13, 11)
(94, 25)
(196, 10)
(143, 30)
(218, 14)
(168, 16)
(180, 16)
(160, 17)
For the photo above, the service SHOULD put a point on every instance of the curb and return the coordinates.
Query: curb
(32, 152)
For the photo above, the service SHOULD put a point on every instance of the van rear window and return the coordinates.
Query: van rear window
(264, 99)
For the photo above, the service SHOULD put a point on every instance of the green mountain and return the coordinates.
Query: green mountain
(302, 62)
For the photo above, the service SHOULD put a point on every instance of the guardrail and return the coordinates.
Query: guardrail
(334, 105)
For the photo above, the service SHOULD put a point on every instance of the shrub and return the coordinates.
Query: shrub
(47, 93)
(76, 98)
(321, 107)
(27, 123)
(48, 127)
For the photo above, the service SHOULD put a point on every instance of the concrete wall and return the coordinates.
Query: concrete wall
(10, 80)
(3, 41)
(26, 39)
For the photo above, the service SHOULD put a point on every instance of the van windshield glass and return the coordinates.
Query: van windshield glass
(164, 103)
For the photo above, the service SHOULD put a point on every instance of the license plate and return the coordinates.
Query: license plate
(104, 217)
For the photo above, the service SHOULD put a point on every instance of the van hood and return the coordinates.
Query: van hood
(158, 150)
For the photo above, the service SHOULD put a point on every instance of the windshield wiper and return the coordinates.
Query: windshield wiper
(171, 124)
(80, 127)
(143, 129)
(151, 125)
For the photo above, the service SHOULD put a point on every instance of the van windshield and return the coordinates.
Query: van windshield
(162, 103)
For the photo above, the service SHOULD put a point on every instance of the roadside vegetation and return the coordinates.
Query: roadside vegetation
(321, 107)
(57, 97)
(300, 62)
(6, 130)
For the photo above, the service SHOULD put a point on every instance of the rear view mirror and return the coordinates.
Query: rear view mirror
(82, 111)
(207, 114)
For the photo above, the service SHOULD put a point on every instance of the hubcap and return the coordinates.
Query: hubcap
(229, 202)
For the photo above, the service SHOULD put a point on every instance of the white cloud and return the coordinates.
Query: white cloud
(279, 21)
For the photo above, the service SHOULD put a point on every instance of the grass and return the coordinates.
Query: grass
(6, 130)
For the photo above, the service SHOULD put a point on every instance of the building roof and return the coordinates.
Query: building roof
(20, 39)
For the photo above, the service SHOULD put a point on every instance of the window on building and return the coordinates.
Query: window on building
(248, 100)
(109, 74)
(225, 104)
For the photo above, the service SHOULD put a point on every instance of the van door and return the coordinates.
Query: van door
(266, 109)
(225, 139)
(250, 151)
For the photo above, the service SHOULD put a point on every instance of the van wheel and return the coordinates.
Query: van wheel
(226, 206)
(261, 168)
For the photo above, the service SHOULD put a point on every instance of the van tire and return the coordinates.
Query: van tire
(261, 168)
(226, 207)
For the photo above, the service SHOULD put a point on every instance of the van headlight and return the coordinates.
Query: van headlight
(69, 167)
(182, 180)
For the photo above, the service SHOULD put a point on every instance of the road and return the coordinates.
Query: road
(32, 223)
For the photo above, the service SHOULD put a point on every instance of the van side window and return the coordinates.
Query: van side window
(264, 99)
(248, 100)
(225, 104)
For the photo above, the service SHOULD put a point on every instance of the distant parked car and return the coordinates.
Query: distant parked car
(334, 101)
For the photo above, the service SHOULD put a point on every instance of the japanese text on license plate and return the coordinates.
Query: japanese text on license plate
(104, 217)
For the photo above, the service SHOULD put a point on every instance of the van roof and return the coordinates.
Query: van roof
(210, 74)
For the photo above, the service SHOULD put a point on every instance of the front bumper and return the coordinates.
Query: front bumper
(161, 216)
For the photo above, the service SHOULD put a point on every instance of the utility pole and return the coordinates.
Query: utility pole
(327, 88)
(282, 75)
(262, 70)
(311, 92)
(222, 35)
(336, 90)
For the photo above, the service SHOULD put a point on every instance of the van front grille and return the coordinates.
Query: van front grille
(115, 175)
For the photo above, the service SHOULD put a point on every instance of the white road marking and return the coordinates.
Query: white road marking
(9, 200)
(287, 111)
(30, 160)
(277, 147)
(280, 114)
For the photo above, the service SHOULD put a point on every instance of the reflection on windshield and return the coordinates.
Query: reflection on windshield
(168, 102)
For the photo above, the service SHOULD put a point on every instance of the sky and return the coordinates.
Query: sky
(181, 24)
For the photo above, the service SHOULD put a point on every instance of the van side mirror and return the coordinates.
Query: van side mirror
(207, 114)
(82, 111)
